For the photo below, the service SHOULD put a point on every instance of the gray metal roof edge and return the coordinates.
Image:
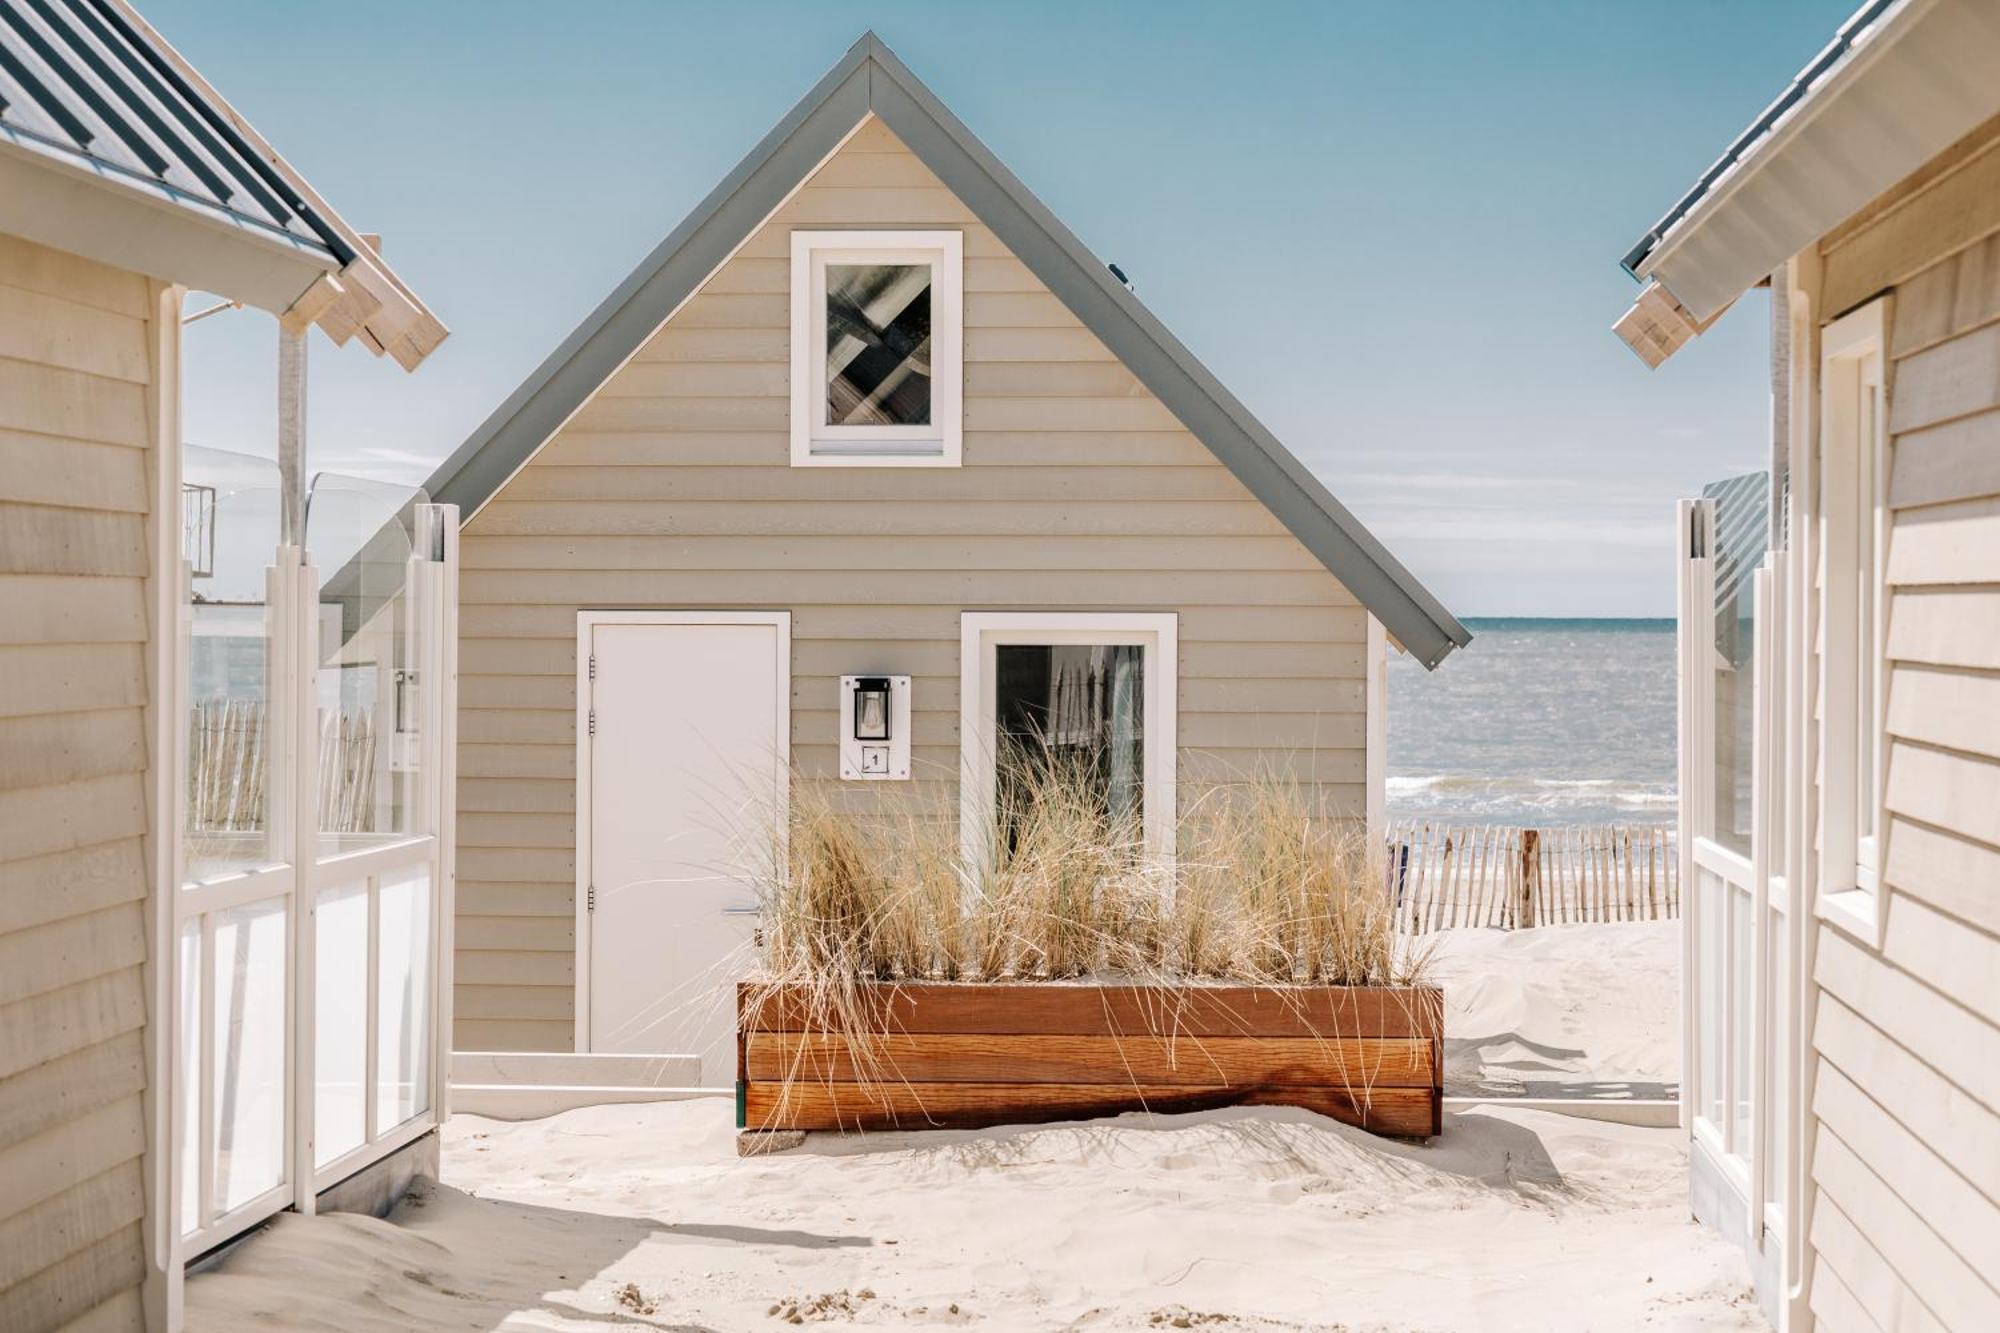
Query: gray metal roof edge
(673, 270)
(871, 78)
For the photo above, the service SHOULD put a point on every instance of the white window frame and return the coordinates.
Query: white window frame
(981, 632)
(818, 444)
(1853, 503)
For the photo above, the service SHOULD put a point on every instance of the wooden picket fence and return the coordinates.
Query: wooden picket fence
(228, 762)
(1446, 875)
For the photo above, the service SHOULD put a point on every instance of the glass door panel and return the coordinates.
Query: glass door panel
(248, 1029)
(340, 1020)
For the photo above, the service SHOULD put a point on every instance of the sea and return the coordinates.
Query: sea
(1538, 722)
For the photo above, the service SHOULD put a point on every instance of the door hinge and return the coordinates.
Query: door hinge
(593, 721)
(593, 666)
(590, 898)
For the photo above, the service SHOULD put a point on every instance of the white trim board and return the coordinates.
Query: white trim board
(586, 622)
(980, 632)
(1853, 365)
(816, 443)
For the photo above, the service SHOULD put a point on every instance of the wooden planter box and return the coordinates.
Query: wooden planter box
(965, 1055)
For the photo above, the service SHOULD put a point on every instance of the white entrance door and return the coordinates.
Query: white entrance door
(682, 779)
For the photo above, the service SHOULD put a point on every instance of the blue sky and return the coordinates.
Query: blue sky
(1391, 228)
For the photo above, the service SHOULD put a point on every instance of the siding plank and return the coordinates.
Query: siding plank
(1947, 543)
(1948, 1038)
(53, 470)
(56, 1023)
(1950, 213)
(70, 1153)
(1951, 873)
(968, 552)
(513, 1035)
(1969, 1221)
(1953, 791)
(37, 821)
(945, 486)
(71, 1086)
(1937, 1111)
(41, 1237)
(1108, 518)
(1946, 627)
(69, 747)
(45, 608)
(1959, 963)
(799, 588)
(62, 953)
(42, 889)
(1939, 1277)
(70, 678)
(1885, 1299)
(56, 331)
(533, 967)
(77, 1285)
(1959, 460)
(1960, 709)
(37, 268)
(53, 401)
(1953, 379)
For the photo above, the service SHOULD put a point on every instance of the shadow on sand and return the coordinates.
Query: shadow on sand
(446, 1259)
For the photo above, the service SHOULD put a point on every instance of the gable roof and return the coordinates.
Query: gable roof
(870, 79)
(113, 147)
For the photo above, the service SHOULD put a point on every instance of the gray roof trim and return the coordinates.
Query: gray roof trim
(871, 78)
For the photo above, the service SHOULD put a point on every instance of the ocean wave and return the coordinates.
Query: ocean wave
(1506, 798)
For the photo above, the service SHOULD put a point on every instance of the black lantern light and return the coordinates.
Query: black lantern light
(871, 708)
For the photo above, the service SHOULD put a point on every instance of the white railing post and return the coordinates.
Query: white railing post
(302, 813)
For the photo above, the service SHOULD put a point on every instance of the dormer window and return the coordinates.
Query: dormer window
(877, 337)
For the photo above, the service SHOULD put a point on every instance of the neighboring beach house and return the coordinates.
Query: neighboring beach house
(158, 1010)
(1841, 684)
(867, 468)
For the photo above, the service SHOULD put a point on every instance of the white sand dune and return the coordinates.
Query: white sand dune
(643, 1216)
(1561, 1011)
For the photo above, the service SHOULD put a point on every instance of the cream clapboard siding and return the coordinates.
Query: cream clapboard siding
(1907, 1099)
(74, 370)
(672, 488)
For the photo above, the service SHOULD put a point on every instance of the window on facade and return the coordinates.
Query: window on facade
(1073, 715)
(1070, 713)
(876, 332)
(1853, 496)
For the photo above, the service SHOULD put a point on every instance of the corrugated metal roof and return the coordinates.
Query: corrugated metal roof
(79, 80)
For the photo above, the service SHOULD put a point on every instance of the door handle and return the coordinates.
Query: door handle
(742, 911)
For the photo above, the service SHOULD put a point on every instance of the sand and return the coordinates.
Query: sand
(644, 1216)
(1562, 1011)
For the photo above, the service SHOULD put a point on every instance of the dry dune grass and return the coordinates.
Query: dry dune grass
(1262, 891)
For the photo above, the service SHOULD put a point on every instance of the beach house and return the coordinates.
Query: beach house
(1840, 683)
(869, 467)
(182, 1052)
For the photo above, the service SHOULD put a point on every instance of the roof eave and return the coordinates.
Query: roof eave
(1815, 159)
(366, 300)
(128, 224)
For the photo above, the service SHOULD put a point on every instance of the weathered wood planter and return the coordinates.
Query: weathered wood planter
(966, 1054)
